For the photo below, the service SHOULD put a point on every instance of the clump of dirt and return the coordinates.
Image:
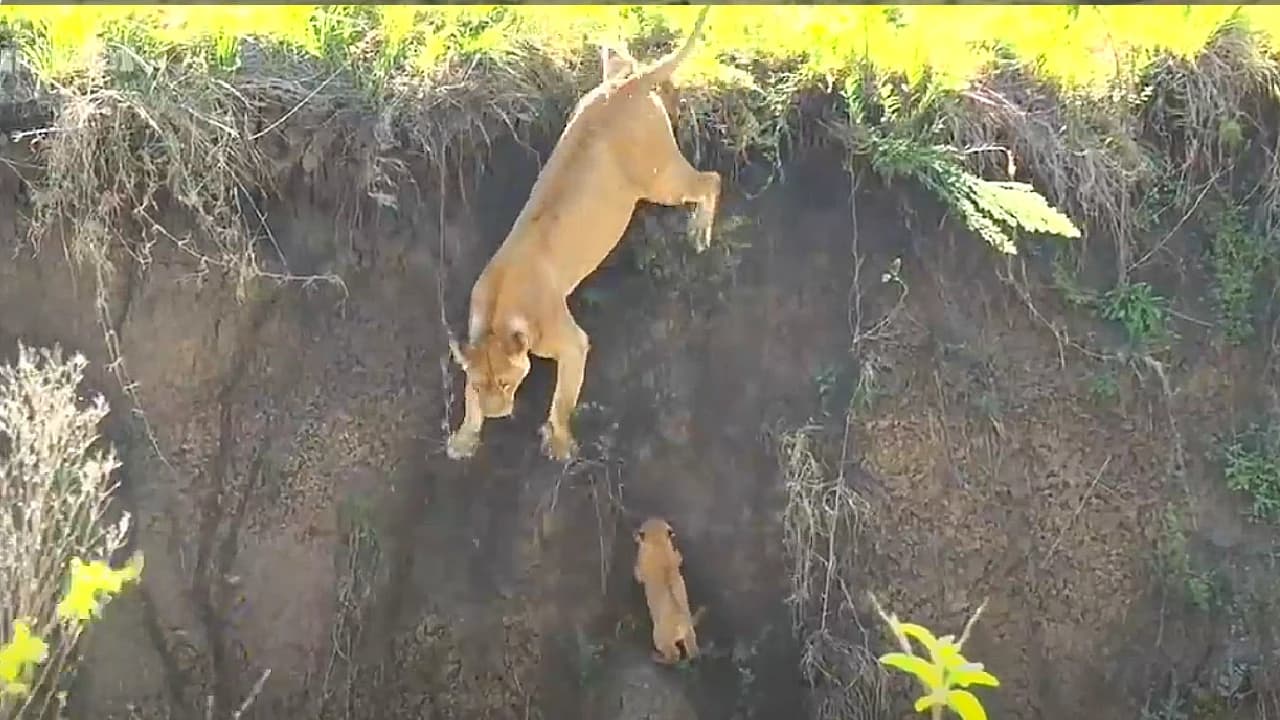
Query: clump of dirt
(847, 394)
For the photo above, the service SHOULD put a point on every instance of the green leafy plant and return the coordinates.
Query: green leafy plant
(1253, 467)
(1067, 280)
(945, 674)
(1142, 311)
(1237, 257)
(1201, 587)
(1103, 387)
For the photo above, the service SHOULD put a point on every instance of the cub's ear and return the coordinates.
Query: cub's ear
(459, 356)
(638, 536)
(517, 343)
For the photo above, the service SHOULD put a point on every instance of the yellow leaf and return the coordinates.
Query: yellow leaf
(89, 580)
(922, 635)
(930, 675)
(973, 674)
(18, 656)
(966, 705)
(949, 655)
(937, 697)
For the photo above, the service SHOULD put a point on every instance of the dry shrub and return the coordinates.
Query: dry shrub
(1084, 157)
(55, 490)
(1201, 111)
(454, 118)
(822, 528)
(182, 153)
(1180, 123)
(163, 155)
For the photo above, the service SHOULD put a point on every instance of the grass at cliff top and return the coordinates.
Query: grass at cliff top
(1080, 47)
(1062, 92)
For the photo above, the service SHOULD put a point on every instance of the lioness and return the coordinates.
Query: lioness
(617, 148)
(657, 567)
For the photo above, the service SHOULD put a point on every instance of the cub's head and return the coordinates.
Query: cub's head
(656, 533)
(495, 363)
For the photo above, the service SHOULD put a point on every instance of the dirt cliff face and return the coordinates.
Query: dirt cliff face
(283, 457)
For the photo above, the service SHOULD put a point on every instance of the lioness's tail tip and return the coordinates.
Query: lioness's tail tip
(702, 17)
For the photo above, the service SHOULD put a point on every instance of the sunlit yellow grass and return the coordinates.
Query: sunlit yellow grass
(1083, 49)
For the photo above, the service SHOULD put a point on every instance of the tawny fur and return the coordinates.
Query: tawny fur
(617, 62)
(617, 148)
(657, 568)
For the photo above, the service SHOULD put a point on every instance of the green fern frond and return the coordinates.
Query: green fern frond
(993, 210)
(1026, 208)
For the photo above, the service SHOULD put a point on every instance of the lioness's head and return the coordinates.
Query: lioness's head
(496, 363)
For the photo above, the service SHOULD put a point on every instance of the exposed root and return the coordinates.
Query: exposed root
(822, 525)
(354, 596)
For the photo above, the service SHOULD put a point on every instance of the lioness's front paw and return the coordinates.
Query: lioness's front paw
(462, 445)
(699, 237)
(560, 447)
(663, 658)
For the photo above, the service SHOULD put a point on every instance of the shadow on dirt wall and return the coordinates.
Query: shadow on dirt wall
(301, 517)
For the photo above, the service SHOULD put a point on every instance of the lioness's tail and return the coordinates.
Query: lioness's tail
(647, 79)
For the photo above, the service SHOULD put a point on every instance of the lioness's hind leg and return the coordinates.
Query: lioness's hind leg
(682, 183)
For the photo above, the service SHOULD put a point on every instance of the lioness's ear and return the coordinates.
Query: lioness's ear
(517, 342)
(458, 356)
(638, 536)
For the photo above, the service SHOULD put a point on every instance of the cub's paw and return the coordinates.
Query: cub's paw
(558, 447)
(462, 445)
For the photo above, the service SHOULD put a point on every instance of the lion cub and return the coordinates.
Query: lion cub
(657, 567)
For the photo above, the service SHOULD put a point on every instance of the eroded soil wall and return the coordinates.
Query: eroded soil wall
(300, 515)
